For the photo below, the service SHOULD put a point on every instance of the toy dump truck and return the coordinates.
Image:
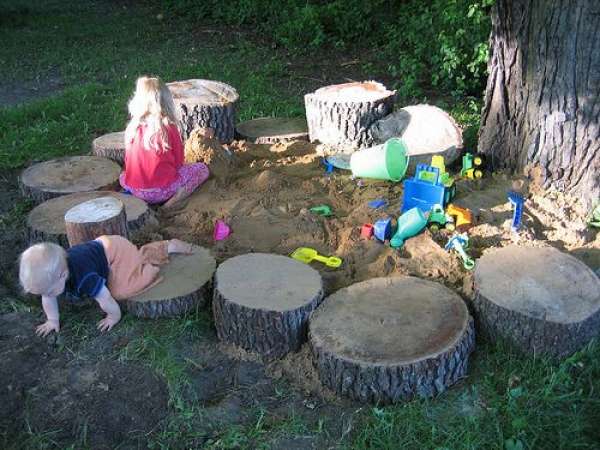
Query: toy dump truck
(438, 219)
(445, 178)
(472, 166)
(426, 189)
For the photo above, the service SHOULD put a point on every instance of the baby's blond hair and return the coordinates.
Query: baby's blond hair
(152, 104)
(41, 265)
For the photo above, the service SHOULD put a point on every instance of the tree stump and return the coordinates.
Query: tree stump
(186, 284)
(93, 218)
(111, 146)
(541, 300)
(262, 302)
(206, 104)
(271, 130)
(340, 115)
(46, 222)
(63, 176)
(390, 339)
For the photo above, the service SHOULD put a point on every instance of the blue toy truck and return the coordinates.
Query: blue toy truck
(426, 189)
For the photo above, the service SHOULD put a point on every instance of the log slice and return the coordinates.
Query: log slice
(206, 104)
(186, 285)
(262, 302)
(341, 115)
(541, 300)
(111, 146)
(390, 339)
(102, 216)
(46, 222)
(271, 130)
(68, 175)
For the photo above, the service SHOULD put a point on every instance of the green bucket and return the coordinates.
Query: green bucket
(387, 161)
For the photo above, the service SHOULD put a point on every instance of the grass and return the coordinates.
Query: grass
(98, 49)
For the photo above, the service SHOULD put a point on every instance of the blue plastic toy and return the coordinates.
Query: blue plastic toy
(382, 229)
(328, 166)
(459, 242)
(378, 203)
(516, 201)
(424, 190)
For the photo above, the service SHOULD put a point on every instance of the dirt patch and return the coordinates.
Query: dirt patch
(44, 85)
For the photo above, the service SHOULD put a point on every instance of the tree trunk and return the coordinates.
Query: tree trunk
(541, 113)
(94, 218)
(111, 146)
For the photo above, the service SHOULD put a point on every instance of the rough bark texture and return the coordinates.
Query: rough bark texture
(81, 226)
(170, 307)
(269, 130)
(541, 113)
(344, 124)
(111, 146)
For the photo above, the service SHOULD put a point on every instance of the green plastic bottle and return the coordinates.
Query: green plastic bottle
(409, 224)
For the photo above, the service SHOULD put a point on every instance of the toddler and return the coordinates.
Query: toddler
(154, 156)
(108, 268)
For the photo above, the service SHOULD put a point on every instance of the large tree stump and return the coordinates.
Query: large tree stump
(111, 146)
(206, 104)
(262, 302)
(46, 222)
(186, 284)
(68, 175)
(340, 115)
(390, 339)
(271, 130)
(539, 299)
(93, 218)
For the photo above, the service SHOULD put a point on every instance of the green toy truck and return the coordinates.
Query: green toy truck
(438, 219)
(472, 166)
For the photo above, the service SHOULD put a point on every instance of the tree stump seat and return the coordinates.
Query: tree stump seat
(271, 130)
(102, 216)
(111, 146)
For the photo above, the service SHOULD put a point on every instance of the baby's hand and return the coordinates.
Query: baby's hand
(44, 329)
(107, 323)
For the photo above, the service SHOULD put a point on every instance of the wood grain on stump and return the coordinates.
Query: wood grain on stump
(391, 339)
(206, 104)
(539, 299)
(340, 115)
(46, 222)
(262, 302)
(186, 284)
(68, 175)
(111, 146)
(270, 130)
(102, 216)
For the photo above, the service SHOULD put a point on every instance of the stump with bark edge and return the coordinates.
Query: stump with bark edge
(390, 339)
(271, 130)
(94, 218)
(46, 222)
(340, 115)
(68, 175)
(541, 300)
(206, 104)
(262, 302)
(111, 146)
(186, 285)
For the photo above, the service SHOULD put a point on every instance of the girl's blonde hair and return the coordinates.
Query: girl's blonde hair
(41, 265)
(152, 104)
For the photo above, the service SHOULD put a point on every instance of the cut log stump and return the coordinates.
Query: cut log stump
(206, 104)
(93, 218)
(186, 285)
(541, 300)
(46, 222)
(111, 146)
(63, 176)
(262, 302)
(390, 339)
(340, 115)
(271, 130)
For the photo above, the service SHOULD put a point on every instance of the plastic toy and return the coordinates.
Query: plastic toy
(387, 161)
(424, 190)
(594, 217)
(472, 166)
(383, 229)
(328, 166)
(459, 242)
(321, 210)
(221, 231)
(339, 161)
(516, 200)
(409, 224)
(307, 254)
(366, 231)
(438, 219)
(461, 216)
(378, 203)
(445, 178)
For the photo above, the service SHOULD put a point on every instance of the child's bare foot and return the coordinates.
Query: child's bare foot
(176, 200)
(177, 246)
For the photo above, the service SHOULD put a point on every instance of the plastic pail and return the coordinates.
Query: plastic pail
(387, 161)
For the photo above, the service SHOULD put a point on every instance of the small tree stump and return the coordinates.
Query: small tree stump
(391, 339)
(186, 284)
(63, 176)
(262, 302)
(541, 300)
(111, 146)
(46, 222)
(206, 104)
(340, 115)
(94, 218)
(271, 130)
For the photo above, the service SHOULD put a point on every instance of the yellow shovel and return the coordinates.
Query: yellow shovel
(306, 255)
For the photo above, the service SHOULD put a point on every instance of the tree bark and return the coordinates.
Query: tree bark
(541, 110)
(95, 218)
